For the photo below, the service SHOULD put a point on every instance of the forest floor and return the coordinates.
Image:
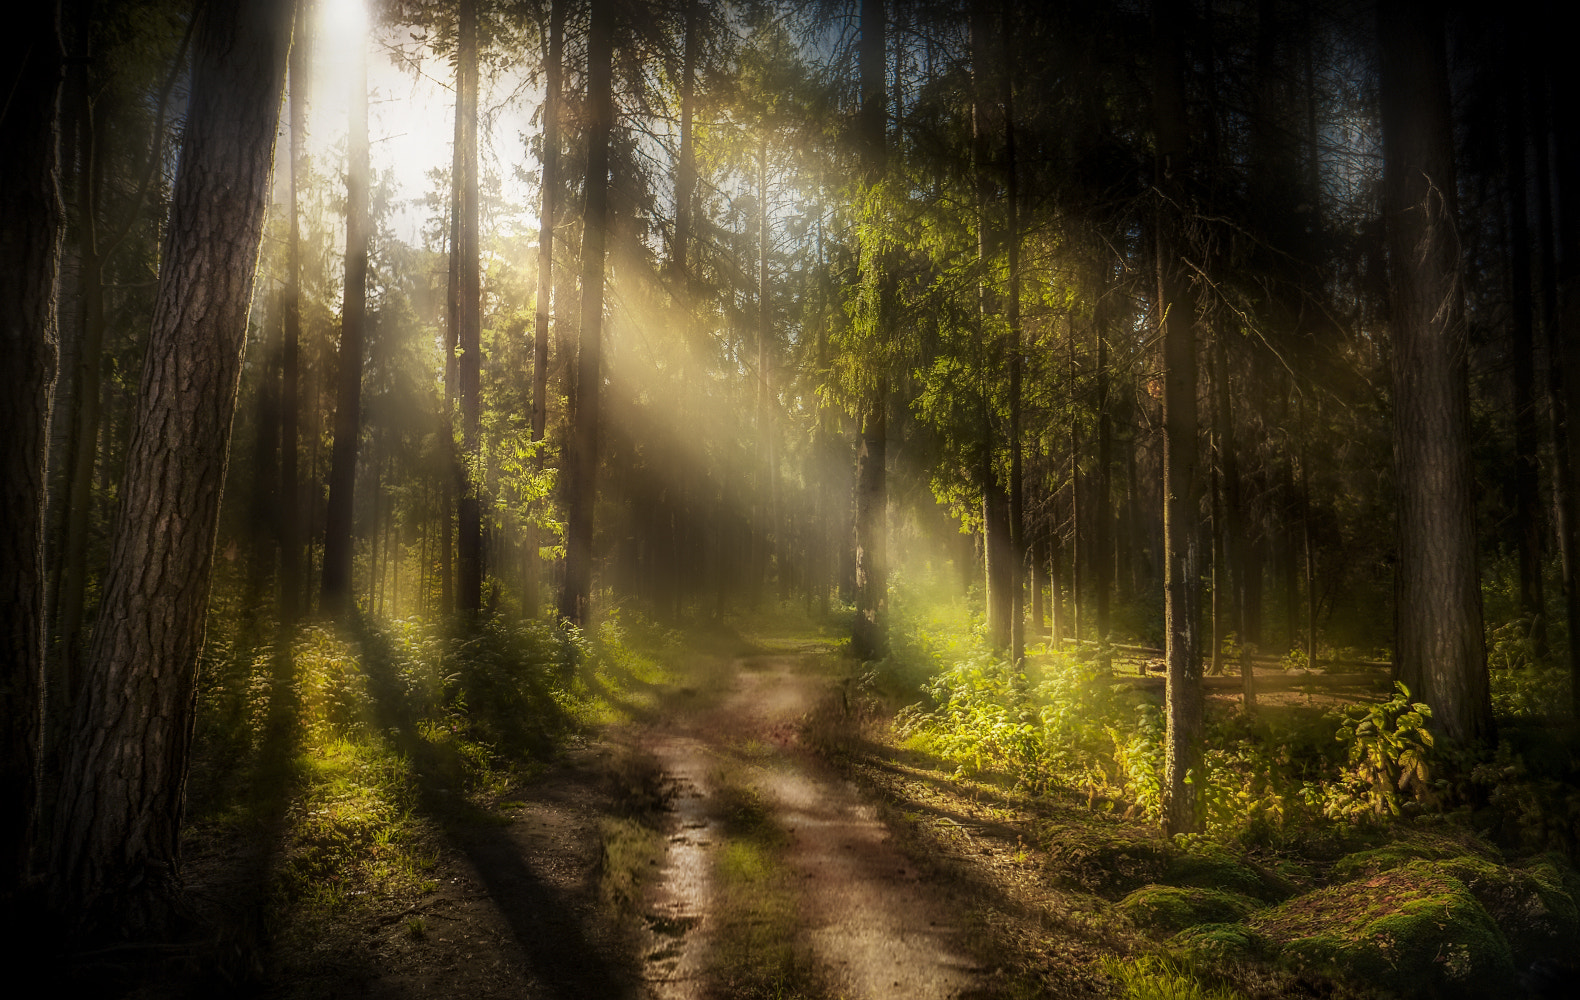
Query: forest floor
(705, 848)
(742, 832)
(749, 826)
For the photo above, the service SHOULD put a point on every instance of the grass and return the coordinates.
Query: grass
(331, 772)
(1154, 978)
(756, 917)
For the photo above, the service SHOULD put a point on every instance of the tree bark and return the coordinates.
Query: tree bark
(1017, 512)
(30, 239)
(1524, 485)
(869, 634)
(338, 594)
(997, 549)
(116, 857)
(293, 584)
(540, 341)
(1233, 521)
(1440, 645)
(575, 600)
(1103, 584)
(1561, 362)
(1181, 486)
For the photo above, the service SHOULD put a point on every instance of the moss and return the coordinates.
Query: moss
(1109, 866)
(1213, 867)
(1413, 929)
(1385, 858)
(1420, 846)
(1173, 908)
(1216, 943)
(1530, 904)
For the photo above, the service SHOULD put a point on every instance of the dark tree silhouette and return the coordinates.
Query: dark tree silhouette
(116, 856)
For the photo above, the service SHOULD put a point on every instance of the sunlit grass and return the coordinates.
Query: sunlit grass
(353, 836)
(1153, 978)
(756, 915)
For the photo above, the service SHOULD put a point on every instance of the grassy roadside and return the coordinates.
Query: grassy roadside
(1344, 856)
(330, 784)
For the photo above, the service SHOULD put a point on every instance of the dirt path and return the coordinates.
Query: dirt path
(770, 874)
(864, 923)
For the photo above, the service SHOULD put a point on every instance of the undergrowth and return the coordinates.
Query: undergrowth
(330, 767)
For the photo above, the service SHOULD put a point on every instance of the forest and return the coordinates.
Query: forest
(790, 498)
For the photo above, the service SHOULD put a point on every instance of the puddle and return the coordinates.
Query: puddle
(873, 928)
(677, 908)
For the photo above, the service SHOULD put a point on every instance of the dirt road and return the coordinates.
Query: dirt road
(756, 870)
(861, 921)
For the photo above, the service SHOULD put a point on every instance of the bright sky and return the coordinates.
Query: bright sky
(411, 117)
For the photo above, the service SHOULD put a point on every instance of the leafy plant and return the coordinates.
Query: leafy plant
(1389, 752)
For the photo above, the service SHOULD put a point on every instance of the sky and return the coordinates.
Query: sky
(411, 112)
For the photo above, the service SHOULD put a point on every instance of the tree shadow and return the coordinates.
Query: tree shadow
(554, 928)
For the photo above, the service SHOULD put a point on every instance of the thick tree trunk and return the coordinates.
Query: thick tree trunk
(1561, 362)
(30, 240)
(576, 598)
(1440, 645)
(87, 396)
(338, 595)
(116, 855)
(1181, 486)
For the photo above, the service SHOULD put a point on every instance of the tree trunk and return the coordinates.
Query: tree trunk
(30, 239)
(87, 396)
(1017, 512)
(869, 639)
(265, 500)
(997, 548)
(116, 856)
(576, 599)
(469, 523)
(997, 552)
(1233, 522)
(869, 634)
(1103, 585)
(1440, 644)
(1524, 486)
(1181, 488)
(292, 582)
(1560, 362)
(763, 530)
(540, 341)
(338, 596)
(1077, 550)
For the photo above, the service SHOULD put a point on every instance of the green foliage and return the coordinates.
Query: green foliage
(1389, 751)
(1173, 908)
(1151, 977)
(1416, 929)
(991, 717)
(351, 829)
(1138, 761)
